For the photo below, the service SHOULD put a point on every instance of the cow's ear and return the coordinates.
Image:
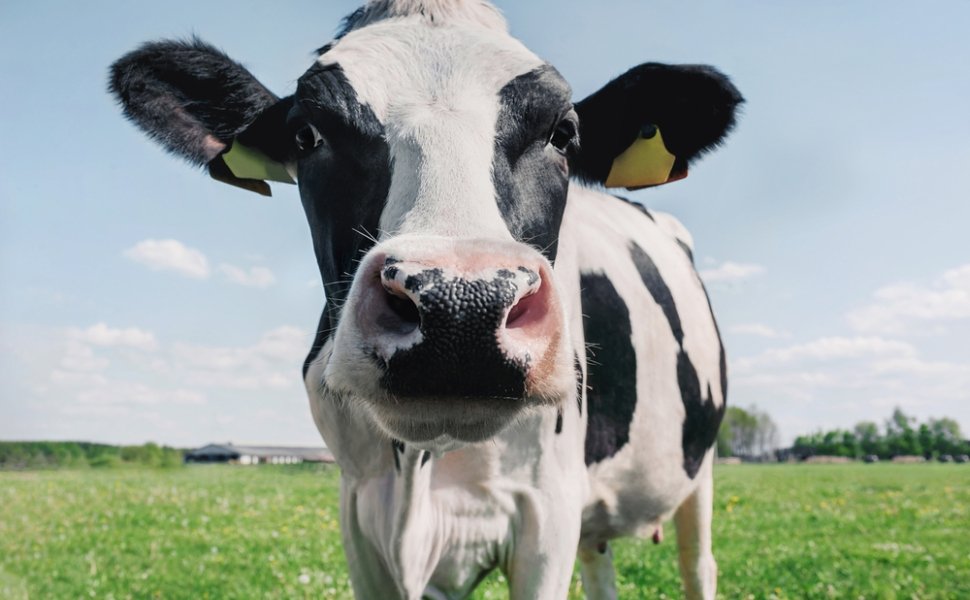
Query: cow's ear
(201, 105)
(647, 125)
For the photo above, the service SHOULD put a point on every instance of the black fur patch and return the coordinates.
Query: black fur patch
(360, 17)
(686, 249)
(530, 177)
(723, 358)
(702, 418)
(694, 106)
(558, 421)
(611, 368)
(397, 447)
(343, 183)
(459, 356)
(636, 205)
(323, 333)
(658, 289)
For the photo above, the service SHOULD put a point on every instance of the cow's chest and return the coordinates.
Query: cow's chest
(447, 523)
(475, 525)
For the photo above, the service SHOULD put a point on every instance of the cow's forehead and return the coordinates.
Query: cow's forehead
(436, 89)
(405, 64)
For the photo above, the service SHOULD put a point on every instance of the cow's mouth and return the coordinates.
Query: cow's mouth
(470, 375)
(423, 420)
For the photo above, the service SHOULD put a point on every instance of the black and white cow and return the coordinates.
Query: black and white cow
(510, 366)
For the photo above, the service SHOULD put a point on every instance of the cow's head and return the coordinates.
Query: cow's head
(433, 153)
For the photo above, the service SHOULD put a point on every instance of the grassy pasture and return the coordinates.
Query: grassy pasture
(821, 531)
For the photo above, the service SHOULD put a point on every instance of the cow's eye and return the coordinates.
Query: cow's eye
(563, 135)
(307, 138)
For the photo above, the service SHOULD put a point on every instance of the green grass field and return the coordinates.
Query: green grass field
(821, 531)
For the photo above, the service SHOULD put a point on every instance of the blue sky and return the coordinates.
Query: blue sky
(139, 300)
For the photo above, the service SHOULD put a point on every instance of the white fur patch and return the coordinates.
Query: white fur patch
(436, 91)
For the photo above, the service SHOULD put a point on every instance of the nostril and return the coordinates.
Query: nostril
(530, 311)
(519, 311)
(406, 313)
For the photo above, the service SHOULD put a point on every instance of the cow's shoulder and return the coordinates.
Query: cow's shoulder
(594, 216)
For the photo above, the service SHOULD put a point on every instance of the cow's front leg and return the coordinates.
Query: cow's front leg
(693, 520)
(544, 552)
(596, 569)
(369, 575)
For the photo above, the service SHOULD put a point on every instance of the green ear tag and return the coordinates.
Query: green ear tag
(249, 163)
(646, 162)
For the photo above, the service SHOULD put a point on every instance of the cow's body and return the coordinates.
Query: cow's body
(503, 376)
(527, 495)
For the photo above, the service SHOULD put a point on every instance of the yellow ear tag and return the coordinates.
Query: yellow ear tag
(249, 163)
(646, 162)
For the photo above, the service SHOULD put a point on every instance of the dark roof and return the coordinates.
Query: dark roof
(304, 452)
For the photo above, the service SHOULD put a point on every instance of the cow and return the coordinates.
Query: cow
(512, 367)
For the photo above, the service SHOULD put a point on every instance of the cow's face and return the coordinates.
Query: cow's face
(433, 153)
(451, 144)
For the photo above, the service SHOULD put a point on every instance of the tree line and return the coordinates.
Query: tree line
(50, 455)
(901, 435)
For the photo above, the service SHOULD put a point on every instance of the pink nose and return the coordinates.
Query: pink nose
(460, 329)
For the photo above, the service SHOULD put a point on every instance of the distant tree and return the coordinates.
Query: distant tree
(947, 437)
(767, 433)
(899, 423)
(747, 432)
(868, 438)
(724, 437)
(927, 441)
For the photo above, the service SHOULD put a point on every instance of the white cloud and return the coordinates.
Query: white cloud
(285, 343)
(81, 373)
(94, 383)
(170, 255)
(837, 381)
(900, 307)
(827, 349)
(958, 278)
(260, 277)
(912, 365)
(116, 392)
(102, 335)
(731, 272)
(77, 379)
(756, 329)
(78, 357)
(271, 362)
(791, 379)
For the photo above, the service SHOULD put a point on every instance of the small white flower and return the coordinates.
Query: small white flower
(303, 578)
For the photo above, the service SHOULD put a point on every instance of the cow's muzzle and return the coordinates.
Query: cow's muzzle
(472, 339)
(462, 334)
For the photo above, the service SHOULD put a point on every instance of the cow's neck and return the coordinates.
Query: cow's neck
(428, 514)
(414, 545)
(447, 520)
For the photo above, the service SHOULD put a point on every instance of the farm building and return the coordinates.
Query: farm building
(255, 455)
